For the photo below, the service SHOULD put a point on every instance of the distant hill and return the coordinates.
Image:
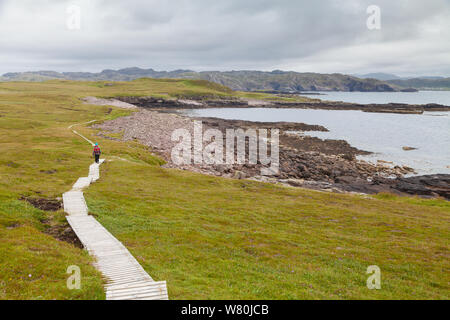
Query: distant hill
(293, 81)
(379, 76)
(111, 75)
(407, 82)
(425, 83)
(279, 81)
(427, 77)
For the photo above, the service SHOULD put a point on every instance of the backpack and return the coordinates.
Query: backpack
(97, 150)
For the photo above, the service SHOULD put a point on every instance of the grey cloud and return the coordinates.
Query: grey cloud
(224, 35)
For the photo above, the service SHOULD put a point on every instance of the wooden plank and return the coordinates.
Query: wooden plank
(126, 279)
(136, 285)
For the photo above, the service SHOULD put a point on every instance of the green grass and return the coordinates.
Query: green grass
(33, 264)
(222, 239)
(210, 238)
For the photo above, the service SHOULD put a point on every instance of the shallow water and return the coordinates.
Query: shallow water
(421, 97)
(384, 134)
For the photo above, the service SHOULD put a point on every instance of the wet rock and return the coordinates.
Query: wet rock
(345, 180)
(429, 185)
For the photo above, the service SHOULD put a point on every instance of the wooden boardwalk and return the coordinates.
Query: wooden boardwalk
(126, 279)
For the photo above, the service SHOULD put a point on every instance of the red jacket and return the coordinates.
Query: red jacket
(97, 151)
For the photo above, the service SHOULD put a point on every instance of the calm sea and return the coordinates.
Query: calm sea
(421, 97)
(382, 133)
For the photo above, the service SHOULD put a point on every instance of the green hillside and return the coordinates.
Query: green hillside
(210, 238)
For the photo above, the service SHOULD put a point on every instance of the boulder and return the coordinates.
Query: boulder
(239, 175)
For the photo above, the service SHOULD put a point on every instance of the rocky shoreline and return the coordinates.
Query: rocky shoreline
(207, 102)
(307, 162)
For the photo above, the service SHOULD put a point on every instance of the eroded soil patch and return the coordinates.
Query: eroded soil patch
(63, 232)
(44, 204)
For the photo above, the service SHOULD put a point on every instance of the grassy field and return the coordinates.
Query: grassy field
(210, 238)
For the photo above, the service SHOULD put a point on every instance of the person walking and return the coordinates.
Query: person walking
(96, 153)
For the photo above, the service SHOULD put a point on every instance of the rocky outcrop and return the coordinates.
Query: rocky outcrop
(208, 102)
(223, 124)
(378, 108)
(429, 185)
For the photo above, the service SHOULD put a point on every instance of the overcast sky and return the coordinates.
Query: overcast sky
(306, 36)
